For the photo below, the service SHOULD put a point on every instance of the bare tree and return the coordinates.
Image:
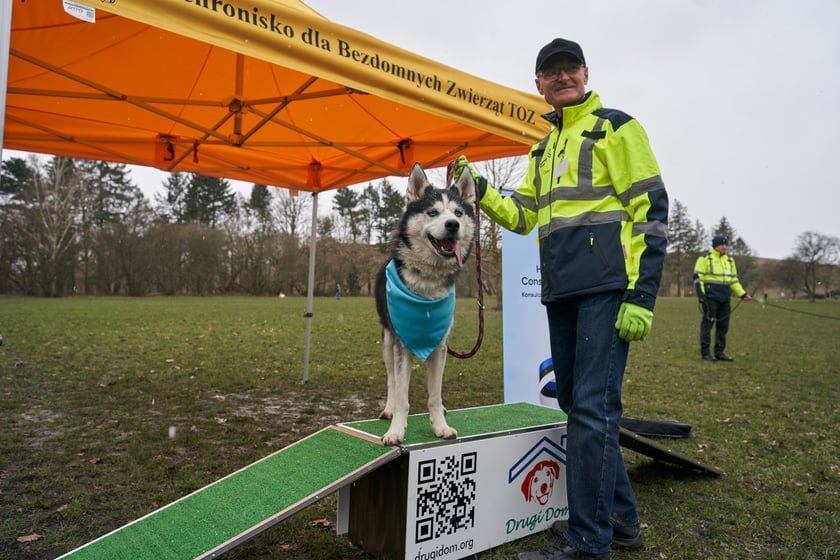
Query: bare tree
(291, 212)
(47, 222)
(817, 254)
(109, 197)
(132, 259)
(786, 274)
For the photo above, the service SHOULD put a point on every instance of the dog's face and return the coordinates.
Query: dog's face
(437, 228)
(539, 484)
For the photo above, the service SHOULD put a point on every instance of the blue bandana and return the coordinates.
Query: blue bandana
(420, 323)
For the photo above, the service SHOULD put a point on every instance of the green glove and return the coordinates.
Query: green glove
(633, 322)
(462, 164)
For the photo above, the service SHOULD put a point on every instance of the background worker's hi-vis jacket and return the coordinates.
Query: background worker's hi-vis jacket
(593, 188)
(715, 276)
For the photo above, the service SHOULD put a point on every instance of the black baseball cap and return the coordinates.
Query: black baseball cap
(559, 46)
(718, 240)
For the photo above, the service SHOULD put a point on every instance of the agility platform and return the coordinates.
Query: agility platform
(236, 508)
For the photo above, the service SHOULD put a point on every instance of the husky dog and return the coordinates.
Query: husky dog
(415, 293)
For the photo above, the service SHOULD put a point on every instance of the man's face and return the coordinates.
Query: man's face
(562, 81)
(721, 249)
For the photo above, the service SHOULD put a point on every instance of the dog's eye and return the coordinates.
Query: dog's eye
(432, 213)
(459, 213)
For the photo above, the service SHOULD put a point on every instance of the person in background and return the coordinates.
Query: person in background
(715, 278)
(593, 189)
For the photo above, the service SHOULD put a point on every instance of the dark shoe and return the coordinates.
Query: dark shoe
(627, 538)
(561, 550)
(624, 536)
(557, 547)
(709, 358)
(724, 358)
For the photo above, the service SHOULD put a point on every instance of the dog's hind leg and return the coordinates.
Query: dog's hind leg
(398, 394)
(434, 385)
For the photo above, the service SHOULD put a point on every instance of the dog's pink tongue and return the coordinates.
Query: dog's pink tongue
(457, 251)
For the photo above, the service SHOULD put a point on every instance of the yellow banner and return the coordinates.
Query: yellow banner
(288, 34)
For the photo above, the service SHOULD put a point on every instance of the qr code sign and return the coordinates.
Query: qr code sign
(445, 496)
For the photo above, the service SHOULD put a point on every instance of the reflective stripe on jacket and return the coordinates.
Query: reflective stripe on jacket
(593, 188)
(715, 276)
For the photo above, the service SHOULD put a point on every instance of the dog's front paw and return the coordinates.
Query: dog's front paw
(386, 414)
(446, 433)
(393, 438)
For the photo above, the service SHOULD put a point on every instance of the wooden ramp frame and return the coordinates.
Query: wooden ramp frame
(238, 507)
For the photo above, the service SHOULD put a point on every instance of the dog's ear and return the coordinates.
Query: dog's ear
(466, 187)
(417, 184)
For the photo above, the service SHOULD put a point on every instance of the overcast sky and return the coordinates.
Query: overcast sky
(738, 97)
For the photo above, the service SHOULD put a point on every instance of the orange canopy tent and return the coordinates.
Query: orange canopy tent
(263, 91)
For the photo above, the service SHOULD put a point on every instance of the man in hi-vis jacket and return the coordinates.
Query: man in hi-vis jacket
(715, 279)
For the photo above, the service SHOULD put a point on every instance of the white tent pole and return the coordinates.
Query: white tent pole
(5, 40)
(310, 286)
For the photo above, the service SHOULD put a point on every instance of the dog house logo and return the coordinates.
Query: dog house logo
(538, 470)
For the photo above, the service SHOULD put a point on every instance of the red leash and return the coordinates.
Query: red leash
(450, 172)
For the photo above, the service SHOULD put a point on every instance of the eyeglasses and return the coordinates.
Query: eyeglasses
(549, 73)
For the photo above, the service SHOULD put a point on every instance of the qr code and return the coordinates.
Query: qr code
(445, 496)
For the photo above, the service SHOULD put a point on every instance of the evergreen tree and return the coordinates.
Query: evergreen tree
(172, 205)
(109, 191)
(208, 200)
(14, 173)
(389, 212)
(346, 203)
(735, 244)
(260, 204)
(368, 212)
(326, 226)
(684, 244)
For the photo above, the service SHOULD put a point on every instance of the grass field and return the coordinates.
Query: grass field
(114, 407)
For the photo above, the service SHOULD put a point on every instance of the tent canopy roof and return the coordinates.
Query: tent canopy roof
(270, 93)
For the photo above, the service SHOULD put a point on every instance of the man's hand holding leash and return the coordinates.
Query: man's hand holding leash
(460, 165)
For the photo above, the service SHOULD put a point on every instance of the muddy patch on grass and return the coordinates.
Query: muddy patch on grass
(38, 425)
(294, 408)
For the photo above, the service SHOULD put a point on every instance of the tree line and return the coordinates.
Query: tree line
(72, 226)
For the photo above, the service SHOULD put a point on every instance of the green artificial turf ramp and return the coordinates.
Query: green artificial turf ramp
(242, 504)
(470, 422)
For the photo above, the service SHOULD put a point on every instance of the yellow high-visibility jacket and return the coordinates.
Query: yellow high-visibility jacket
(593, 187)
(715, 276)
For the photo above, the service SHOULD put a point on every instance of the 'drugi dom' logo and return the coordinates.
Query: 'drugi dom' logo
(539, 482)
(539, 470)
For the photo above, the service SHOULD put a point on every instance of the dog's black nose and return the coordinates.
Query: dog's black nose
(453, 225)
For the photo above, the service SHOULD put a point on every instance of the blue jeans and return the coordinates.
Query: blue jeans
(589, 360)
